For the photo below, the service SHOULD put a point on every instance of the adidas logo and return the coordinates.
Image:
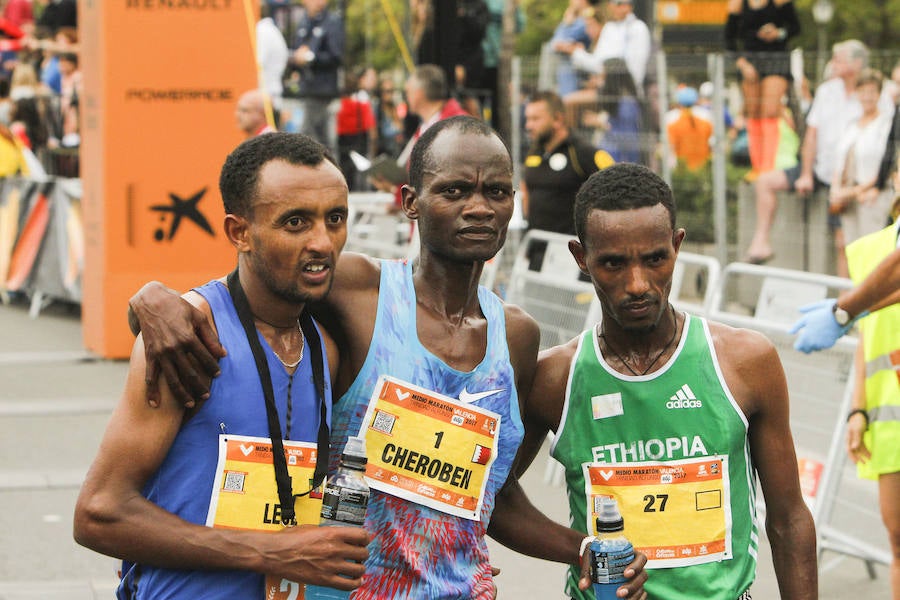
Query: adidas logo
(684, 398)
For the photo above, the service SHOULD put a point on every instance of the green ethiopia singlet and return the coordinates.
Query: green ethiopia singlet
(672, 447)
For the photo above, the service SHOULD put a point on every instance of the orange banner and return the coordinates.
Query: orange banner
(161, 83)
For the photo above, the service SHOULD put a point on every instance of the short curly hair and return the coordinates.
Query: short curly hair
(624, 186)
(421, 158)
(239, 179)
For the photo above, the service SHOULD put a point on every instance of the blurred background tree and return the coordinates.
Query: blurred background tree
(873, 22)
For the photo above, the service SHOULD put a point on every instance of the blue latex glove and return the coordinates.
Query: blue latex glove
(817, 327)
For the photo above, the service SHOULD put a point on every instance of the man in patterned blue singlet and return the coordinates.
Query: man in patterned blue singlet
(420, 342)
(673, 415)
(150, 497)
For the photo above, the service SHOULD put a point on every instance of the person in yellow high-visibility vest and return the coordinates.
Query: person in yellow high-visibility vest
(824, 322)
(873, 424)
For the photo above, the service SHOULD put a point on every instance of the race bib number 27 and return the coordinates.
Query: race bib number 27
(678, 513)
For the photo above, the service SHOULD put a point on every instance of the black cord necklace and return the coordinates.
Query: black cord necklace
(661, 352)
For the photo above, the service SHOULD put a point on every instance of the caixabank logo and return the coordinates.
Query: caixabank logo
(179, 208)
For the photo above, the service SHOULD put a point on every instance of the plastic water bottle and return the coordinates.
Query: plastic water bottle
(611, 552)
(346, 497)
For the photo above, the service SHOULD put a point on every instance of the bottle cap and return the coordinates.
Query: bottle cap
(354, 454)
(609, 518)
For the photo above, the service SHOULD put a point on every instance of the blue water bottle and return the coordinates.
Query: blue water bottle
(611, 552)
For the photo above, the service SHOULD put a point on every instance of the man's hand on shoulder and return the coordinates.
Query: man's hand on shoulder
(179, 342)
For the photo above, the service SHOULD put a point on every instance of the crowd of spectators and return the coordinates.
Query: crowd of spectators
(605, 77)
(603, 74)
(40, 88)
(357, 111)
(848, 128)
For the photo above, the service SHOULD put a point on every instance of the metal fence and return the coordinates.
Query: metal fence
(766, 299)
(715, 205)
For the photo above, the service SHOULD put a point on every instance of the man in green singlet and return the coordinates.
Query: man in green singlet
(672, 415)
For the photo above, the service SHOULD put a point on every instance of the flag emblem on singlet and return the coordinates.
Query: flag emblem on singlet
(482, 455)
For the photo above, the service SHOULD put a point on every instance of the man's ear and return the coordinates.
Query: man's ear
(237, 230)
(408, 199)
(677, 238)
(577, 251)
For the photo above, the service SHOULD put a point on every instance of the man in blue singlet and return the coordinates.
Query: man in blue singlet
(433, 370)
(673, 415)
(187, 497)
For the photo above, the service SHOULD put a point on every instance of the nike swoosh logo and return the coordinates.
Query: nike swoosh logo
(467, 397)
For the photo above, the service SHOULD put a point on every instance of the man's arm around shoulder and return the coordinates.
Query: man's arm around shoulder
(543, 538)
(179, 343)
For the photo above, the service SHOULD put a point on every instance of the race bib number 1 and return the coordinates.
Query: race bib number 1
(428, 448)
(678, 513)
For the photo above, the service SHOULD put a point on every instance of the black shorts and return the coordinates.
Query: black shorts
(770, 63)
(792, 175)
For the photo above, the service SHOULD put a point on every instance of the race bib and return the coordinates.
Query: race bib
(245, 495)
(428, 448)
(678, 512)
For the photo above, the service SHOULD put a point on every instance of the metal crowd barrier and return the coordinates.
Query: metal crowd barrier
(41, 240)
(375, 229)
(820, 387)
(551, 290)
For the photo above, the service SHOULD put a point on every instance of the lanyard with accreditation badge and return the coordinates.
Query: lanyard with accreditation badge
(253, 453)
(282, 478)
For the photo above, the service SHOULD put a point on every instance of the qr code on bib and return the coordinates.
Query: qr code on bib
(234, 481)
(383, 422)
